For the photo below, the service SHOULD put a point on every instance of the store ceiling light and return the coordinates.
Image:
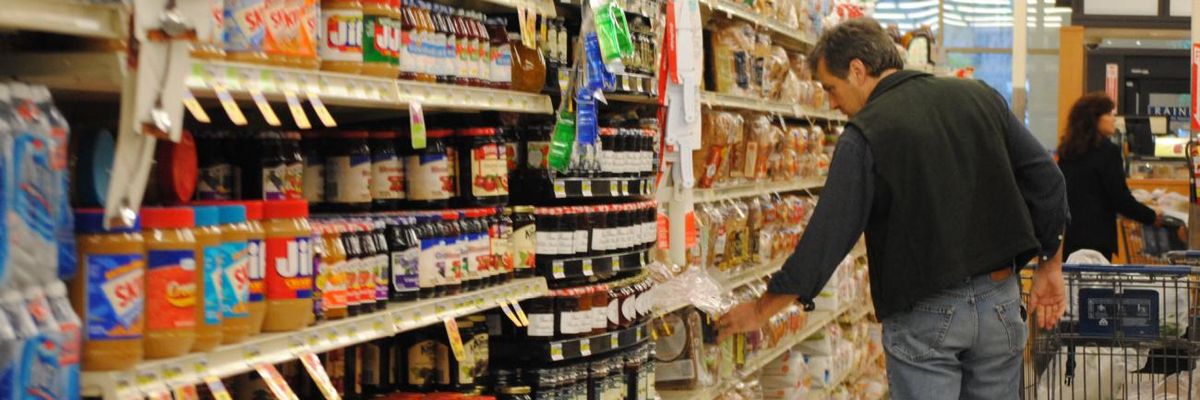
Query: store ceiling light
(889, 16)
(985, 10)
(923, 14)
(1006, 3)
(918, 4)
(885, 6)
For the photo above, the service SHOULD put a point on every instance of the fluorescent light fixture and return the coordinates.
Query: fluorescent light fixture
(955, 23)
(880, 15)
(923, 14)
(1006, 3)
(917, 4)
(1058, 10)
(885, 6)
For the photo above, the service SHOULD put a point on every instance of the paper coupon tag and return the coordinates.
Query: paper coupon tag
(614, 341)
(556, 352)
(585, 347)
(312, 364)
(297, 110)
(557, 270)
(230, 106)
(416, 123)
(217, 388)
(587, 187)
(274, 380)
(587, 267)
(664, 232)
(520, 312)
(158, 392)
(508, 312)
(194, 108)
(264, 107)
(689, 229)
(186, 392)
(322, 112)
(560, 189)
(616, 262)
(456, 344)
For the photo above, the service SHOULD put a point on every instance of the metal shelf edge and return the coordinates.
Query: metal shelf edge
(239, 358)
(64, 17)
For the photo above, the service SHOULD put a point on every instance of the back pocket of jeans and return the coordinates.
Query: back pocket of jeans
(1014, 325)
(916, 335)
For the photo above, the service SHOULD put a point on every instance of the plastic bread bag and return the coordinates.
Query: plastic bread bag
(697, 286)
(732, 45)
(738, 249)
(754, 224)
(767, 143)
(790, 89)
(775, 70)
(785, 13)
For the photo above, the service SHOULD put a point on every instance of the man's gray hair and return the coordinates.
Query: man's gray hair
(862, 39)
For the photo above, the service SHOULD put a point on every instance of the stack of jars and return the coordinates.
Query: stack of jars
(411, 39)
(583, 311)
(624, 375)
(586, 231)
(183, 279)
(354, 171)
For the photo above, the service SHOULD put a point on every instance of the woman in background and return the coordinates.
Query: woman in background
(1095, 174)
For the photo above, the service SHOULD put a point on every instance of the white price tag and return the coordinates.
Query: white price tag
(587, 267)
(560, 189)
(585, 347)
(586, 187)
(616, 263)
(557, 270)
(556, 352)
(614, 341)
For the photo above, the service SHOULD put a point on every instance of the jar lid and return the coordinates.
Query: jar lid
(232, 213)
(523, 209)
(292, 135)
(516, 390)
(167, 218)
(311, 134)
(285, 209)
(439, 133)
(94, 168)
(353, 134)
(91, 220)
(449, 216)
(207, 215)
(254, 210)
(477, 132)
(178, 169)
(383, 135)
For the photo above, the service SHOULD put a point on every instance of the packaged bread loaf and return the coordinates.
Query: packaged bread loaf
(732, 44)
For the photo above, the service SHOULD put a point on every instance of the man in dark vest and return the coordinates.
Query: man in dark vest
(954, 195)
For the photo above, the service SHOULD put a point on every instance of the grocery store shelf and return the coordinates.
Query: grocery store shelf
(817, 320)
(790, 110)
(756, 273)
(66, 17)
(793, 39)
(631, 98)
(102, 72)
(541, 352)
(278, 347)
(544, 8)
(755, 189)
(858, 313)
(587, 267)
(601, 187)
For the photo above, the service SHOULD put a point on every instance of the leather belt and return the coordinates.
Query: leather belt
(1001, 274)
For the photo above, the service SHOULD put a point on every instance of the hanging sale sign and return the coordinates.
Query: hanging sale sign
(1195, 86)
(1110, 80)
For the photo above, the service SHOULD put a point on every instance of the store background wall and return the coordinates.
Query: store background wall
(978, 34)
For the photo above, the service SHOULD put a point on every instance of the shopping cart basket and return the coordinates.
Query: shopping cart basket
(1129, 333)
(1147, 244)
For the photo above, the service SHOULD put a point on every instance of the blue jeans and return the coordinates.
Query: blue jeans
(966, 342)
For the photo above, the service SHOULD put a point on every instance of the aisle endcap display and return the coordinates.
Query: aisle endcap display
(239, 358)
(817, 320)
(755, 189)
(585, 267)
(713, 99)
(793, 39)
(65, 17)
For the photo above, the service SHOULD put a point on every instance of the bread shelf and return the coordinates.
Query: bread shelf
(755, 189)
(817, 320)
(790, 110)
(785, 36)
(239, 358)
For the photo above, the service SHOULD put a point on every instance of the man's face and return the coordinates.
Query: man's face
(847, 95)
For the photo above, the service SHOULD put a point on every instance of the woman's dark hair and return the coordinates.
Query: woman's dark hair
(860, 39)
(1082, 134)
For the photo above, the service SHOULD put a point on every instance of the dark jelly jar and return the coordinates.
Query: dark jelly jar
(348, 173)
(387, 172)
(483, 167)
(429, 173)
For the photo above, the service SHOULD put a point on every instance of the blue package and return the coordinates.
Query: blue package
(7, 121)
(23, 331)
(64, 220)
(39, 374)
(71, 340)
(34, 190)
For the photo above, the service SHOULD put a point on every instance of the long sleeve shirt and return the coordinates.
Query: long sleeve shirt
(842, 214)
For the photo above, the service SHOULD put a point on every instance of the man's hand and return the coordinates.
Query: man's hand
(752, 315)
(1048, 296)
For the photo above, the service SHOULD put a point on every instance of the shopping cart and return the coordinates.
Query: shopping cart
(1148, 244)
(1130, 332)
